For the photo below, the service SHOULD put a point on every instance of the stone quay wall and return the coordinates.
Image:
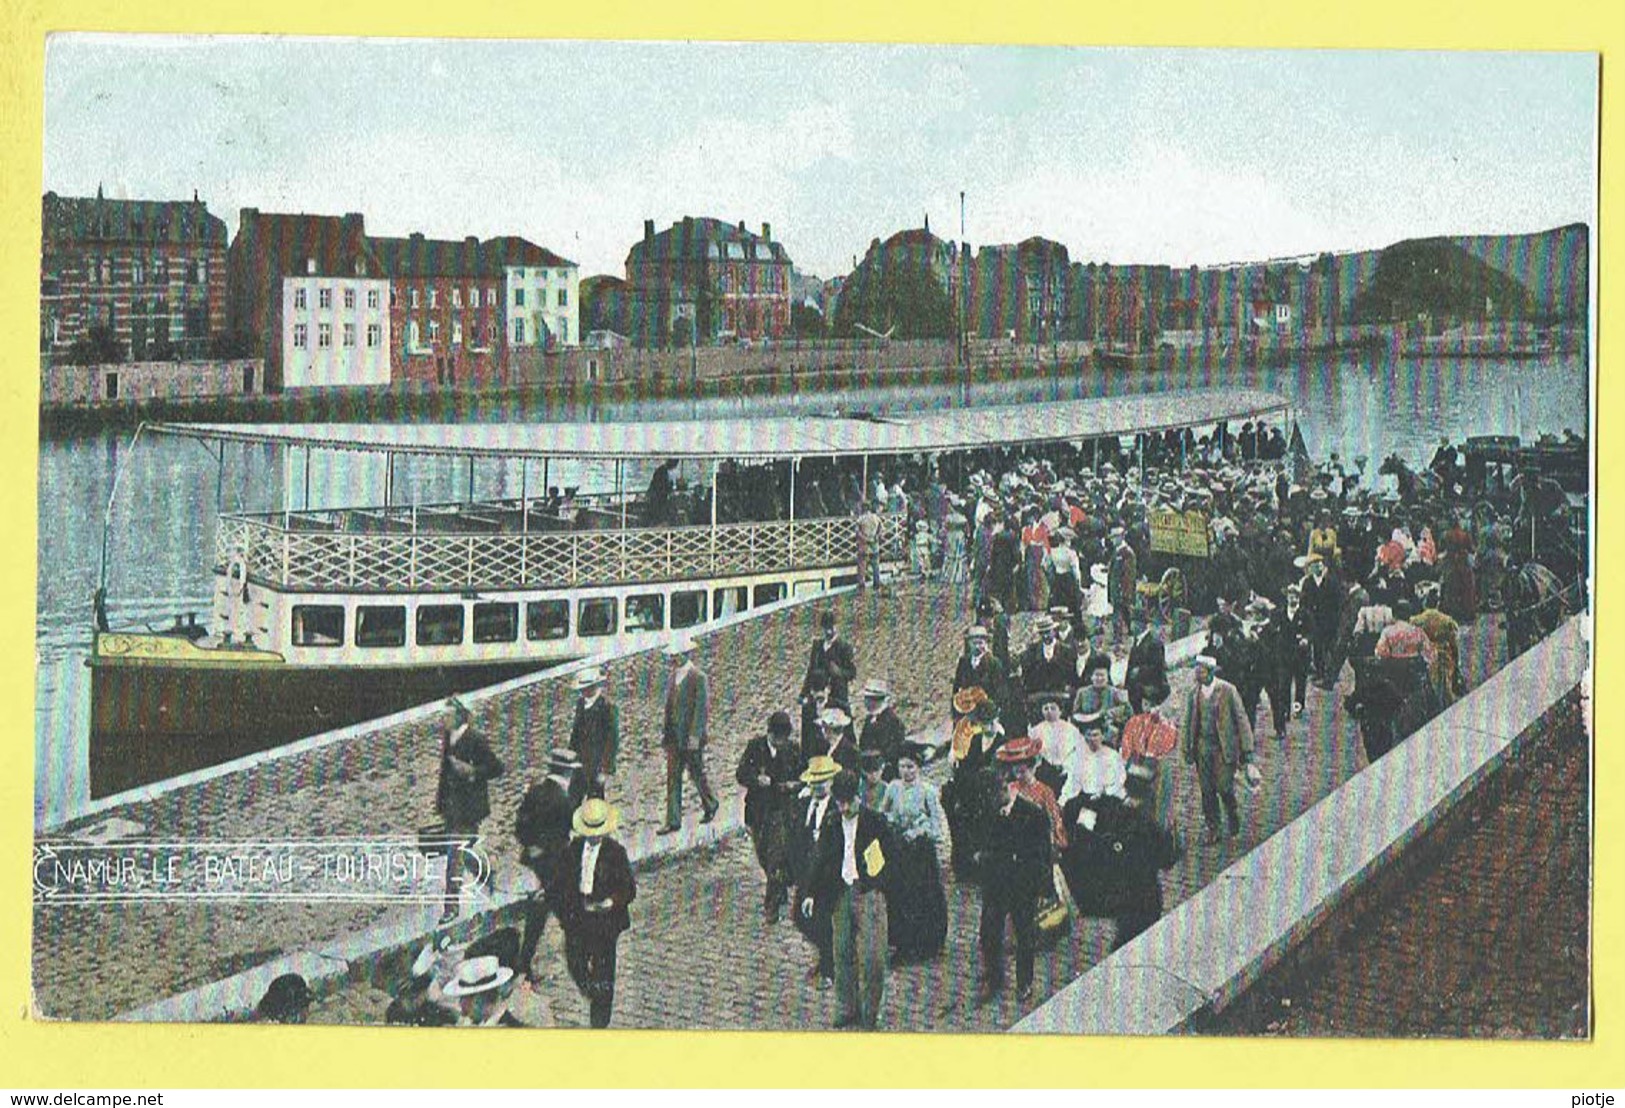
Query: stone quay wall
(124, 382)
(95, 961)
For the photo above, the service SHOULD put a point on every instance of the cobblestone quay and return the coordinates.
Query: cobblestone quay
(699, 955)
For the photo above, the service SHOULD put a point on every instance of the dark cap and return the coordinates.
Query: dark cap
(778, 723)
(845, 786)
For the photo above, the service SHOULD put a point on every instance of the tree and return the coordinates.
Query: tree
(906, 298)
(1435, 277)
(806, 322)
(231, 345)
(97, 346)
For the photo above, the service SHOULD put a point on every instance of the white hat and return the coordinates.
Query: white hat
(876, 687)
(587, 678)
(1098, 573)
(680, 647)
(478, 975)
(834, 717)
(1207, 661)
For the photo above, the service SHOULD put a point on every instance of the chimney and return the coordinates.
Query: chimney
(928, 223)
(741, 226)
(648, 231)
(767, 231)
(416, 236)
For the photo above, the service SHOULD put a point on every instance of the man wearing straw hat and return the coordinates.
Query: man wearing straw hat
(883, 731)
(463, 796)
(688, 696)
(813, 814)
(595, 887)
(595, 734)
(542, 830)
(849, 876)
(1216, 737)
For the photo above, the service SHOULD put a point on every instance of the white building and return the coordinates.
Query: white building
(335, 330)
(542, 294)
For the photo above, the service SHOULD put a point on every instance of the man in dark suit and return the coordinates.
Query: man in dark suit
(595, 887)
(542, 829)
(1147, 677)
(770, 772)
(812, 813)
(833, 657)
(595, 735)
(979, 669)
(463, 796)
(1049, 668)
(849, 877)
(688, 696)
(1322, 604)
(883, 731)
(1013, 863)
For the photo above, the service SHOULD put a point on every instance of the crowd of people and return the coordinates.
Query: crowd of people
(1061, 761)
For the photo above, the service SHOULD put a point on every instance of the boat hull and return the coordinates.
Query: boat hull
(156, 719)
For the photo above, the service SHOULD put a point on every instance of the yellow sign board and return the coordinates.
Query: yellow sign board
(1179, 533)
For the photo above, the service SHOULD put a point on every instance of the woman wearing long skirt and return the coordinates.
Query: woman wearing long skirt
(916, 905)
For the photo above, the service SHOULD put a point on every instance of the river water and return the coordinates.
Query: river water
(161, 541)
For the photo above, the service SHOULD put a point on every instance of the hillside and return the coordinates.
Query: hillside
(1553, 265)
(1439, 278)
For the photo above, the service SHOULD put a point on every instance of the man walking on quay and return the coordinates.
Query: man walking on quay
(542, 829)
(463, 796)
(1322, 603)
(848, 881)
(770, 771)
(688, 696)
(596, 885)
(867, 526)
(1146, 680)
(1013, 864)
(831, 656)
(882, 731)
(1217, 737)
(595, 735)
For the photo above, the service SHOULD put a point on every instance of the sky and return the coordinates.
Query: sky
(1125, 155)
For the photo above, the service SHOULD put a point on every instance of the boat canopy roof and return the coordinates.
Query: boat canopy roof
(802, 436)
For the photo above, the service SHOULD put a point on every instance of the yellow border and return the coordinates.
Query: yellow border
(86, 1056)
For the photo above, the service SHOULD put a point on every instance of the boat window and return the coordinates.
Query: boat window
(596, 617)
(810, 586)
(547, 619)
(440, 624)
(646, 612)
(687, 609)
(843, 580)
(318, 625)
(496, 622)
(727, 601)
(769, 593)
(380, 626)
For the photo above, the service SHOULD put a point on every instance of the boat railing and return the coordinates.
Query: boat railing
(285, 554)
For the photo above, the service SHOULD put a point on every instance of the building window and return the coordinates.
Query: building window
(414, 298)
(299, 300)
(111, 391)
(519, 298)
(434, 332)
(107, 271)
(324, 335)
(374, 333)
(434, 298)
(310, 266)
(440, 624)
(394, 297)
(547, 619)
(456, 298)
(135, 272)
(687, 609)
(457, 332)
(496, 622)
(595, 618)
(413, 335)
(349, 334)
(564, 330)
(318, 625)
(372, 299)
(380, 625)
(564, 298)
(519, 332)
(200, 272)
(349, 299)
(301, 336)
(490, 333)
(324, 298)
(519, 275)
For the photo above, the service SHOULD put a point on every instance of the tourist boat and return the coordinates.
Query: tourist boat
(325, 617)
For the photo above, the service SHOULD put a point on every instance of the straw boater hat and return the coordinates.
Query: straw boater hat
(680, 647)
(968, 700)
(1045, 622)
(820, 767)
(595, 818)
(834, 717)
(478, 975)
(1023, 748)
(876, 688)
(977, 632)
(1097, 573)
(587, 678)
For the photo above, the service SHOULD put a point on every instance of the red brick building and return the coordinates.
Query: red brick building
(154, 271)
(445, 310)
(707, 280)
